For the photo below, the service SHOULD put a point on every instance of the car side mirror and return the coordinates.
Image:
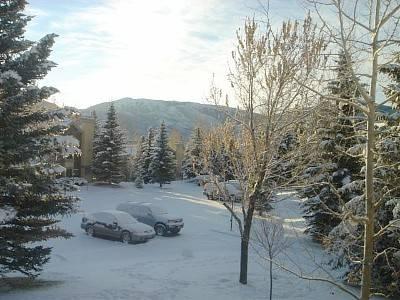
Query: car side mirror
(115, 225)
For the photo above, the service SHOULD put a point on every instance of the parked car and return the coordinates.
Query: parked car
(213, 191)
(224, 191)
(235, 190)
(200, 180)
(116, 225)
(154, 216)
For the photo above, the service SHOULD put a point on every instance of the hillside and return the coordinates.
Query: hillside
(137, 115)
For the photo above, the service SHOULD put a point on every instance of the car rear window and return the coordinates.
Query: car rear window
(126, 219)
(157, 210)
(104, 217)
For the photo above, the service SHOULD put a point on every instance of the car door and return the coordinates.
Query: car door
(132, 209)
(116, 228)
(109, 228)
(148, 217)
(139, 214)
(99, 224)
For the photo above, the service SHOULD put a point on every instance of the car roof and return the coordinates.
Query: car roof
(113, 212)
(116, 213)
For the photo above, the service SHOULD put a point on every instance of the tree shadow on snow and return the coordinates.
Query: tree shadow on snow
(11, 284)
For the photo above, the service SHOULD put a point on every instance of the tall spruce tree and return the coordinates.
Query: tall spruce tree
(219, 163)
(162, 165)
(30, 203)
(96, 132)
(138, 163)
(346, 238)
(334, 169)
(385, 271)
(193, 162)
(109, 160)
(146, 156)
(95, 140)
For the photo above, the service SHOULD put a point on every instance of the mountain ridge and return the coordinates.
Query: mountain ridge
(136, 116)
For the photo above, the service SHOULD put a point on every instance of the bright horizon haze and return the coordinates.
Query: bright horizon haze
(169, 50)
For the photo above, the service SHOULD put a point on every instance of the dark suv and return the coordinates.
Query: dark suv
(154, 216)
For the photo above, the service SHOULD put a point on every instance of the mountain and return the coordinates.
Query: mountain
(137, 115)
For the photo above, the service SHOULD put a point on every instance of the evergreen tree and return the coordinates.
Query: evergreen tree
(138, 162)
(95, 149)
(146, 157)
(392, 90)
(346, 238)
(162, 165)
(334, 169)
(386, 275)
(139, 181)
(96, 125)
(30, 203)
(283, 162)
(192, 164)
(110, 159)
(219, 163)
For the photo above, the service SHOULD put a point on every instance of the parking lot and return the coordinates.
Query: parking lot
(202, 262)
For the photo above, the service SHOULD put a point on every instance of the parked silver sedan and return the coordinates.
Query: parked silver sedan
(116, 225)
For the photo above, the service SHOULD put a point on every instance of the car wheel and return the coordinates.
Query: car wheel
(160, 229)
(126, 237)
(90, 230)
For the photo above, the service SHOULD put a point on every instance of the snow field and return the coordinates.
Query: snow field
(202, 262)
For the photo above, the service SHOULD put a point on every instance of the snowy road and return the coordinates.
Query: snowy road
(200, 263)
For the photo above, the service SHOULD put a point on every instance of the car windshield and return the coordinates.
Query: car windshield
(157, 210)
(126, 219)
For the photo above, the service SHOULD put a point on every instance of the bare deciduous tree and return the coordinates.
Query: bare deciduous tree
(270, 236)
(265, 65)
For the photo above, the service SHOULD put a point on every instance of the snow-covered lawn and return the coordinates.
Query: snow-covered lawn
(202, 262)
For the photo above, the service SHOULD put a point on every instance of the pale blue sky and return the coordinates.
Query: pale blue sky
(159, 49)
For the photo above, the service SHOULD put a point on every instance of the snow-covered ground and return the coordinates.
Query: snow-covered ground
(202, 262)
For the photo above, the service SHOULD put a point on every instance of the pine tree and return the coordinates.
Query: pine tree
(392, 90)
(146, 157)
(386, 275)
(109, 161)
(96, 134)
(335, 173)
(162, 165)
(346, 241)
(346, 238)
(192, 164)
(219, 163)
(283, 162)
(139, 181)
(30, 202)
(138, 162)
